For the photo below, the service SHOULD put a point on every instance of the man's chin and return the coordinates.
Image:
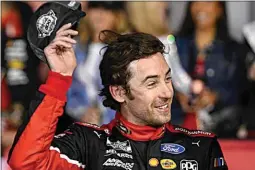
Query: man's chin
(161, 121)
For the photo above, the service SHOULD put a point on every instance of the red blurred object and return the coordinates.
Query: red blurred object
(11, 22)
(5, 95)
(4, 163)
(190, 121)
(239, 154)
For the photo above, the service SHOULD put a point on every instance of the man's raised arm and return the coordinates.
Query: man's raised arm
(35, 146)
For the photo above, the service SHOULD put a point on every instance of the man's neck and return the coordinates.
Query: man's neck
(132, 119)
(137, 132)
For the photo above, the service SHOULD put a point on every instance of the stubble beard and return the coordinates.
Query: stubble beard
(156, 120)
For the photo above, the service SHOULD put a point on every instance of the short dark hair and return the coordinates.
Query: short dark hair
(120, 51)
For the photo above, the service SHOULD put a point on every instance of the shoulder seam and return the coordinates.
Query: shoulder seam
(94, 127)
(193, 133)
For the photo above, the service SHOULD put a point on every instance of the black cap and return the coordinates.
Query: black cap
(47, 19)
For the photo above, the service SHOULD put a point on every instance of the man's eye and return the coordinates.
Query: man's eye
(151, 84)
(169, 78)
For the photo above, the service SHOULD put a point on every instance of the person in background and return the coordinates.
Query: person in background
(211, 58)
(7, 134)
(19, 78)
(247, 128)
(149, 17)
(83, 103)
(17, 60)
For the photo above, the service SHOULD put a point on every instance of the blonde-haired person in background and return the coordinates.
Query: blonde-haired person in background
(149, 17)
(83, 101)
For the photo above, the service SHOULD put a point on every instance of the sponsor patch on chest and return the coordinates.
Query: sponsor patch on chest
(172, 148)
(117, 145)
(118, 163)
(121, 155)
(188, 165)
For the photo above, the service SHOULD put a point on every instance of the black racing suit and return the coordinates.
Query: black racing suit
(115, 146)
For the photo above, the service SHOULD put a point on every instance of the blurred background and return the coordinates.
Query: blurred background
(212, 56)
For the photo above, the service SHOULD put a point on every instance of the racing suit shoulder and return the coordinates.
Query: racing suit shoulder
(93, 130)
(188, 132)
(205, 142)
(78, 141)
(35, 146)
(215, 157)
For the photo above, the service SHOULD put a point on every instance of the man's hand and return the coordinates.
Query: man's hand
(251, 72)
(206, 98)
(92, 115)
(202, 100)
(60, 53)
(185, 103)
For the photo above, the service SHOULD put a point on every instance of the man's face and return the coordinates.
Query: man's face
(151, 90)
(205, 14)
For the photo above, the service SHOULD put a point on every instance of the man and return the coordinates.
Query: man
(137, 84)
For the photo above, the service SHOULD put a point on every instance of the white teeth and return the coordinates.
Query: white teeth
(202, 16)
(163, 107)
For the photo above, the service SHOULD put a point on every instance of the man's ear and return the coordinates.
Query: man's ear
(118, 93)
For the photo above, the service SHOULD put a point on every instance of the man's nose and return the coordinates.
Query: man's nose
(166, 90)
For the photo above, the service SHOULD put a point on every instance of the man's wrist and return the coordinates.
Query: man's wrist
(56, 85)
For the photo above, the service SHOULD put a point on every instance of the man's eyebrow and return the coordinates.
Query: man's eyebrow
(168, 71)
(154, 76)
(149, 77)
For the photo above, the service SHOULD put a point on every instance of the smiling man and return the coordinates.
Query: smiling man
(137, 84)
(151, 92)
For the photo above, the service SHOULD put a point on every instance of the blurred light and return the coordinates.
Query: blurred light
(170, 38)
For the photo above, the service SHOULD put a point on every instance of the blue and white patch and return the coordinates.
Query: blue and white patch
(172, 148)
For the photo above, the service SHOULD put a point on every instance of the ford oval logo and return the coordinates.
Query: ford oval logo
(172, 148)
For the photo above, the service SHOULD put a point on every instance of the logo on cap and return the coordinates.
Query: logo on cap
(46, 23)
(71, 3)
